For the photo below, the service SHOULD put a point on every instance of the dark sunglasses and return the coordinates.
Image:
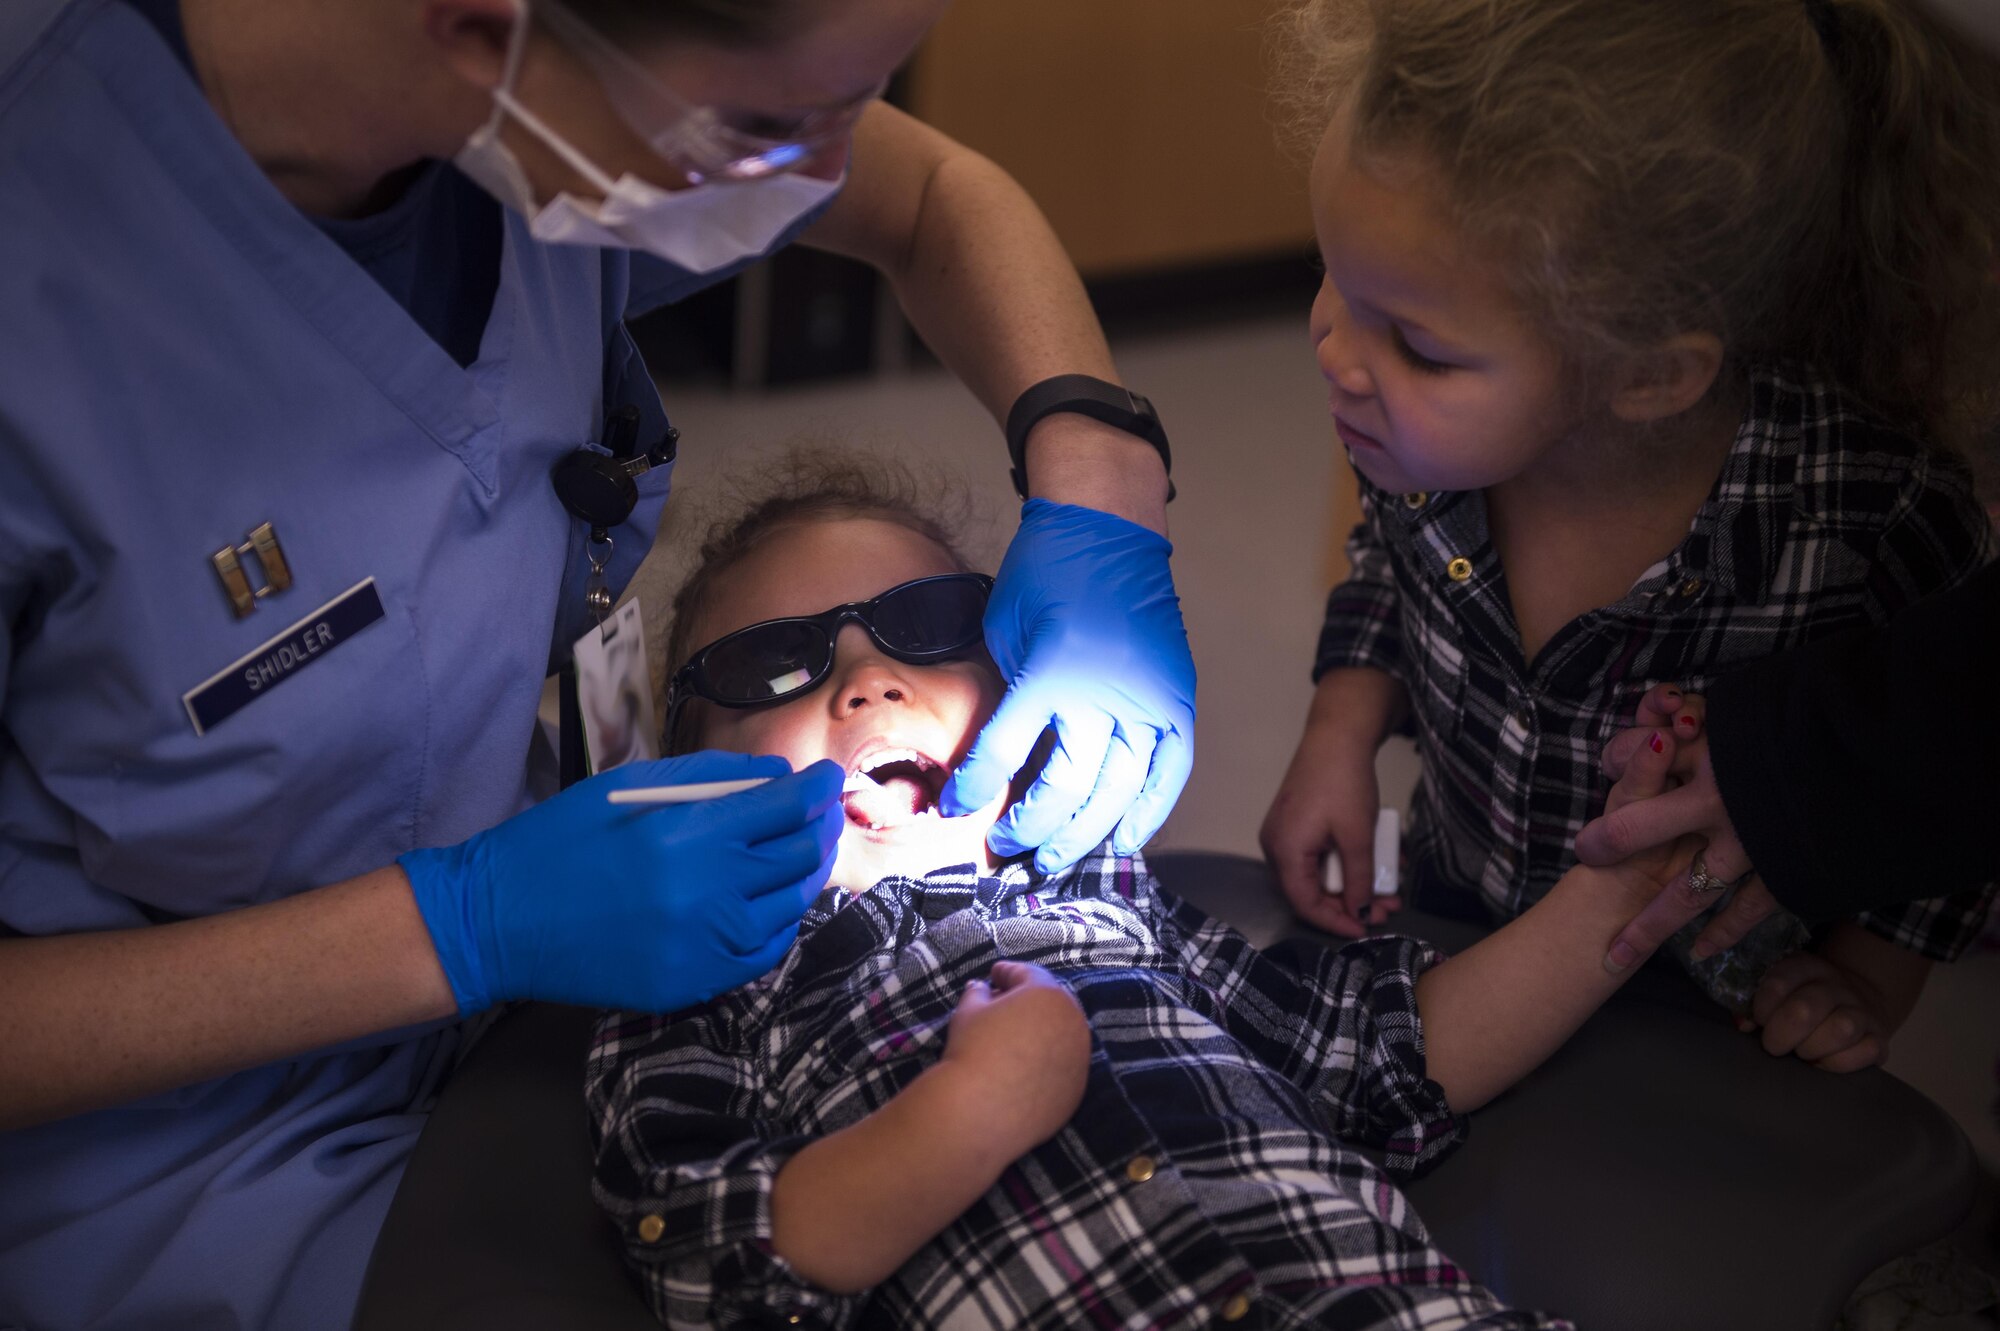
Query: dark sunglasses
(921, 622)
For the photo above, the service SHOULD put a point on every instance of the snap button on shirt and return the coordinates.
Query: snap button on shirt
(1459, 569)
(650, 1228)
(1141, 1168)
(1236, 1309)
(1416, 498)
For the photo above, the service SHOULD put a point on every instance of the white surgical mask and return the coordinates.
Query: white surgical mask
(701, 228)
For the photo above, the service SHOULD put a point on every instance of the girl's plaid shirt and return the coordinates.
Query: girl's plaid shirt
(1820, 520)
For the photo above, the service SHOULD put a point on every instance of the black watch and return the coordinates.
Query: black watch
(1086, 396)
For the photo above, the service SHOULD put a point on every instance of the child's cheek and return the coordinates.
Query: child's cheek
(786, 730)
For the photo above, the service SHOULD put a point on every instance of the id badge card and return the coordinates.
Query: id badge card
(614, 692)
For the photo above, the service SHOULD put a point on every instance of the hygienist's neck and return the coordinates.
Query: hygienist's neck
(334, 102)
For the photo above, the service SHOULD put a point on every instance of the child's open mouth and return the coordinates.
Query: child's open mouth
(892, 788)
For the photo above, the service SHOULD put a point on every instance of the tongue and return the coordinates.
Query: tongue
(884, 803)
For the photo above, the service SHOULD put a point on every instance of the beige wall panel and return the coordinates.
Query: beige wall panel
(1142, 127)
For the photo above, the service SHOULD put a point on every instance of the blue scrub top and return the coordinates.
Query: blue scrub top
(184, 356)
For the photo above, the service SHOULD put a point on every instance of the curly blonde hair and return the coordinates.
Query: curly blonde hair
(1806, 180)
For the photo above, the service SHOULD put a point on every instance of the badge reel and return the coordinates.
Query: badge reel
(607, 693)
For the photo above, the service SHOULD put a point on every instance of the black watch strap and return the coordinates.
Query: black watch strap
(1086, 396)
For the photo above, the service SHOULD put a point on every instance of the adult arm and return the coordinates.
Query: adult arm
(1858, 771)
(88, 1020)
(686, 900)
(986, 282)
(1852, 774)
(1083, 621)
(1935, 540)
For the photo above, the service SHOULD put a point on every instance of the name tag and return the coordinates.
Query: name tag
(235, 686)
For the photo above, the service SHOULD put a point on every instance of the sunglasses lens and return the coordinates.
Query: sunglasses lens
(938, 616)
(765, 662)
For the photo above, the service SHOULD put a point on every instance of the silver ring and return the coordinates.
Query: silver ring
(1700, 881)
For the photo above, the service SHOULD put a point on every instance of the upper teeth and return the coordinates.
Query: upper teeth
(880, 759)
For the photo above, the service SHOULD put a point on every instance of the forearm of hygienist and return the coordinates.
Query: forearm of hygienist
(1492, 1013)
(88, 1020)
(986, 282)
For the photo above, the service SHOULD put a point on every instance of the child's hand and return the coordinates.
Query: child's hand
(1824, 1013)
(1325, 808)
(1022, 1036)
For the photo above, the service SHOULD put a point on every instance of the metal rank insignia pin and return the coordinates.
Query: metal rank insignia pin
(270, 556)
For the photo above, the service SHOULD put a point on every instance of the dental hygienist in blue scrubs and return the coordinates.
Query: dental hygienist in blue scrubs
(300, 302)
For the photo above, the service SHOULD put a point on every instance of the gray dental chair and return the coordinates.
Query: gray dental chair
(1659, 1173)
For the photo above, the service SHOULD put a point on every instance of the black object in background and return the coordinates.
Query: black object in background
(800, 315)
(804, 314)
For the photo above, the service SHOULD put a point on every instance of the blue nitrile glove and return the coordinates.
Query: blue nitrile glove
(1085, 626)
(579, 900)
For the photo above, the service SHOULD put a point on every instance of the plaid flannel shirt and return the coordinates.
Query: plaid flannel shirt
(1210, 1172)
(1820, 520)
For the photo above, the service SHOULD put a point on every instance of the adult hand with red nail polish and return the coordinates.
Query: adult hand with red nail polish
(1693, 808)
(1646, 778)
(1666, 708)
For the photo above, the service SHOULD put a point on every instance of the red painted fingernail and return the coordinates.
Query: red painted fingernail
(1684, 721)
(1657, 744)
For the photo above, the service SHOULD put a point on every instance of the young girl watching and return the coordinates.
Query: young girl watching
(1649, 330)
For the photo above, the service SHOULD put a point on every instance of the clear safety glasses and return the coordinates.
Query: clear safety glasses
(921, 622)
(698, 140)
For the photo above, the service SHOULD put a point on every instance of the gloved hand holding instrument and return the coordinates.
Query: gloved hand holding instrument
(654, 907)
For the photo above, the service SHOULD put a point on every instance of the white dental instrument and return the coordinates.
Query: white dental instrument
(1388, 852)
(688, 794)
(1388, 858)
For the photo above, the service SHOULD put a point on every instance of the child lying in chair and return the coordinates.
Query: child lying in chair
(974, 1097)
